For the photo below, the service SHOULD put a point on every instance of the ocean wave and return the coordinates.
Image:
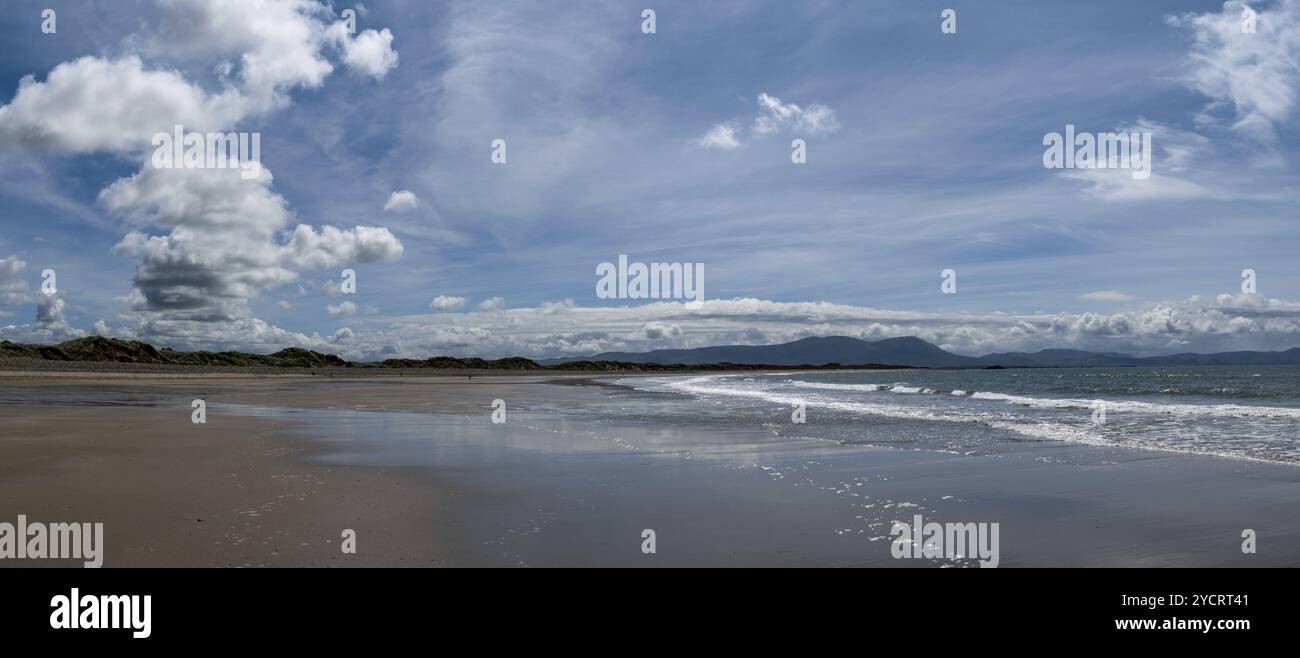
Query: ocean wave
(706, 385)
(1219, 410)
(896, 387)
(1080, 430)
(839, 387)
(1132, 406)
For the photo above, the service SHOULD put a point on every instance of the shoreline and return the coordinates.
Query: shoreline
(419, 470)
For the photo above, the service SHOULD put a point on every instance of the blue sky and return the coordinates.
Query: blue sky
(924, 154)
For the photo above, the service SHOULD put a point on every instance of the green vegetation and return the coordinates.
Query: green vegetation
(97, 349)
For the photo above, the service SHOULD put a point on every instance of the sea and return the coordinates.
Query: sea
(1238, 412)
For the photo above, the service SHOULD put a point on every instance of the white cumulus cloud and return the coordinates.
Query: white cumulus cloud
(401, 200)
(445, 303)
(346, 308)
(13, 289)
(721, 136)
(493, 304)
(369, 53)
(774, 115)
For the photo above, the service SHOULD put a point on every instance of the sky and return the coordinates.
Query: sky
(924, 152)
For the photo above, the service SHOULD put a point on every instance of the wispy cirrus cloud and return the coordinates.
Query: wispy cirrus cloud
(1256, 73)
(814, 119)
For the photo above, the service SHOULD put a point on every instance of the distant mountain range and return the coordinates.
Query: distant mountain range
(915, 352)
(827, 352)
(82, 353)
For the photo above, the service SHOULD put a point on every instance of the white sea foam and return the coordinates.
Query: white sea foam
(1184, 438)
(709, 385)
(838, 387)
(1113, 406)
(1119, 406)
(899, 388)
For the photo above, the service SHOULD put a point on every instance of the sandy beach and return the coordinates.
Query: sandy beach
(419, 470)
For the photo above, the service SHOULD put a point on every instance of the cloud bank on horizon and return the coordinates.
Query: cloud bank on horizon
(448, 176)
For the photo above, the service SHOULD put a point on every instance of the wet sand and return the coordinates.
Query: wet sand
(419, 470)
(171, 495)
